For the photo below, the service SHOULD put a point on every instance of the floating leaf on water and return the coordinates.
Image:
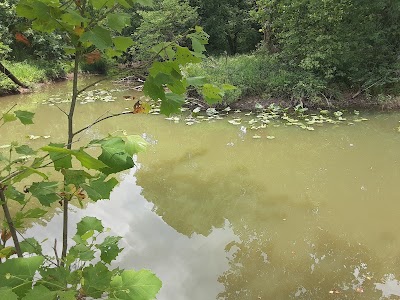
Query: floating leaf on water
(211, 111)
(196, 110)
(338, 114)
(270, 137)
(256, 137)
(33, 137)
(252, 121)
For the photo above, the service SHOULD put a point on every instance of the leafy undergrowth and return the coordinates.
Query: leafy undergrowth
(263, 76)
(30, 72)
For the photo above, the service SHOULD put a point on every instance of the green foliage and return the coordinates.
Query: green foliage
(166, 21)
(350, 42)
(229, 24)
(30, 72)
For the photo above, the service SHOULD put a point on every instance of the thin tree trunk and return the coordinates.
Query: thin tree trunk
(69, 146)
(4, 70)
(10, 223)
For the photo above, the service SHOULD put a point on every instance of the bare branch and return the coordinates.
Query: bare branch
(102, 119)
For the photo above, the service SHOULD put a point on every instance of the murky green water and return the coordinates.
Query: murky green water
(217, 214)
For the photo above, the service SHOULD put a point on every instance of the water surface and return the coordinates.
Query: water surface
(217, 214)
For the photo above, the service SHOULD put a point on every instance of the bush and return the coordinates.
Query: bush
(99, 67)
(260, 75)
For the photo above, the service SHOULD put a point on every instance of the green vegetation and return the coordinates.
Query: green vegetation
(31, 72)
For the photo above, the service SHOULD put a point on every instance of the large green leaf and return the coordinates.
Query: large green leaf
(122, 43)
(152, 89)
(24, 116)
(134, 144)
(75, 177)
(32, 246)
(7, 294)
(99, 189)
(87, 224)
(118, 21)
(12, 193)
(109, 248)
(89, 161)
(9, 118)
(172, 103)
(25, 150)
(97, 279)
(184, 56)
(19, 273)
(61, 160)
(45, 192)
(85, 159)
(98, 36)
(212, 93)
(114, 156)
(135, 285)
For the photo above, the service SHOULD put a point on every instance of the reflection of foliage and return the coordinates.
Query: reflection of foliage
(309, 268)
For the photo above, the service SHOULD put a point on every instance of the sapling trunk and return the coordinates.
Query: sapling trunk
(69, 146)
(10, 223)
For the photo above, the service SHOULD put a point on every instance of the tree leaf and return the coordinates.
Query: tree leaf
(98, 36)
(25, 150)
(212, 93)
(172, 104)
(99, 189)
(75, 177)
(32, 246)
(7, 294)
(40, 292)
(97, 279)
(196, 81)
(114, 156)
(9, 118)
(135, 285)
(34, 213)
(19, 273)
(88, 223)
(118, 21)
(24, 116)
(61, 160)
(88, 161)
(45, 192)
(122, 43)
(109, 248)
(12, 193)
(134, 144)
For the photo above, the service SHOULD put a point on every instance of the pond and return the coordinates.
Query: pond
(220, 211)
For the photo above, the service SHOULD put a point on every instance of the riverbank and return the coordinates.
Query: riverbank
(31, 74)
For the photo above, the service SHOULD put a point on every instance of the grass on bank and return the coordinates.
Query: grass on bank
(30, 73)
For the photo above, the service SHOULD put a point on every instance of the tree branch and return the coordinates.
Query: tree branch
(102, 119)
